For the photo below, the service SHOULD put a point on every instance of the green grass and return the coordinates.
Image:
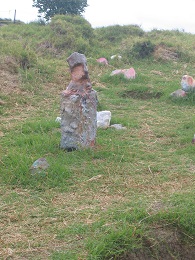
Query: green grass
(113, 201)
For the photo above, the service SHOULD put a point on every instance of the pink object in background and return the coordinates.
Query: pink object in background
(102, 60)
(116, 72)
(193, 140)
(128, 73)
(178, 93)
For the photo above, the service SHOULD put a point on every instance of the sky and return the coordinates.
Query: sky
(148, 14)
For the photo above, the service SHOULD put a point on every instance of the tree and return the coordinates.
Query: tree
(52, 7)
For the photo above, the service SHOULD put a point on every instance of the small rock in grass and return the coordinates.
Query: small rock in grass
(102, 61)
(118, 127)
(116, 57)
(128, 73)
(103, 119)
(178, 93)
(39, 166)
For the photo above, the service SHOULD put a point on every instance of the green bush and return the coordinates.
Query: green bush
(27, 58)
(24, 55)
(40, 22)
(80, 24)
(143, 49)
(117, 33)
(73, 33)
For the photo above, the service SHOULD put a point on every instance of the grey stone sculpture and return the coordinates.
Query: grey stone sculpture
(78, 107)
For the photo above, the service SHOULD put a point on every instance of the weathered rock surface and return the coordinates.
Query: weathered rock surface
(178, 93)
(102, 61)
(78, 107)
(103, 119)
(39, 166)
(118, 127)
(188, 83)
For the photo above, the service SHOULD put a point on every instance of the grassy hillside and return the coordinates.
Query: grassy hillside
(132, 196)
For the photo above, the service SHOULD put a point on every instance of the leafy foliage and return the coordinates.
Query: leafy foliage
(51, 8)
(116, 33)
(143, 49)
(74, 33)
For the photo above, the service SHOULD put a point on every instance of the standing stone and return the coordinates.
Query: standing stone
(78, 107)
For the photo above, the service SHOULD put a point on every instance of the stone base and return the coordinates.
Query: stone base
(78, 120)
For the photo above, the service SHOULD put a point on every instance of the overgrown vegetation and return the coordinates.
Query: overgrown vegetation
(132, 196)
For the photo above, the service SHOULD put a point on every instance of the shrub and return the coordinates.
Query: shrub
(73, 33)
(80, 24)
(40, 22)
(27, 58)
(143, 49)
(117, 33)
(22, 53)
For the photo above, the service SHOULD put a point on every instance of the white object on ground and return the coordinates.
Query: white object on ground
(116, 56)
(58, 119)
(118, 127)
(103, 119)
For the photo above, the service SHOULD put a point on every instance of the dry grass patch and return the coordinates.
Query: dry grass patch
(165, 53)
(30, 222)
